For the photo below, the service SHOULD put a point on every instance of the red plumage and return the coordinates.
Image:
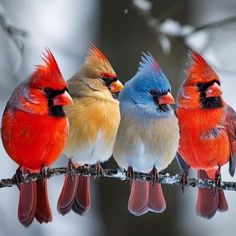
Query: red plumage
(75, 195)
(34, 133)
(94, 51)
(207, 131)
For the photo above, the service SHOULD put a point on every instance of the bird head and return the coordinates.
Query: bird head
(149, 86)
(201, 88)
(47, 88)
(96, 77)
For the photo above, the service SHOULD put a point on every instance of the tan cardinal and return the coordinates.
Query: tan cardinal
(94, 119)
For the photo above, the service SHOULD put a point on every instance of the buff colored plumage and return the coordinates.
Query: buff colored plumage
(94, 120)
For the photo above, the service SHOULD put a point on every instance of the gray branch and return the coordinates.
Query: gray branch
(155, 25)
(16, 34)
(119, 174)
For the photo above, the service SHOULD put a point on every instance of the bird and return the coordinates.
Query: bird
(148, 134)
(207, 132)
(34, 133)
(94, 118)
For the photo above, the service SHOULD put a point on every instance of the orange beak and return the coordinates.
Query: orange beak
(63, 99)
(166, 99)
(116, 86)
(213, 91)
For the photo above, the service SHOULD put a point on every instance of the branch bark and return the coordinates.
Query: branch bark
(16, 34)
(119, 174)
(155, 24)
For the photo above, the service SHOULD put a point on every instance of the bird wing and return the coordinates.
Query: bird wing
(231, 131)
(183, 165)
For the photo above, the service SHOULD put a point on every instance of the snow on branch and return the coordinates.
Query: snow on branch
(16, 34)
(171, 29)
(119, 174)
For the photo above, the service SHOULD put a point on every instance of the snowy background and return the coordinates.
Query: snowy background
(122, 29)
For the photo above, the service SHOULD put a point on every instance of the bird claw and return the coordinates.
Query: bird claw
(42, 174)
(70, 167)
(130, 174)
(153, 176)
(18, 177)
(217, 180)
(99, 170)
(184, 179)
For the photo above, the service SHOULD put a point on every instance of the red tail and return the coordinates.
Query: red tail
(43, 211)
(27, 203)
(139, 197)
(81, 202)
(75, 195)
(34, 202)
(67, 195)
(157, 201)
(210, 200)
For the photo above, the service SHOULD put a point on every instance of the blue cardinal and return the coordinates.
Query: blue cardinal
(147, 138)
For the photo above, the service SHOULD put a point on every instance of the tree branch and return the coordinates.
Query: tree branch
(16, 34)
(119, 174)
(155, 25)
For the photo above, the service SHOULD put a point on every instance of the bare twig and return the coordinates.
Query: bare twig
(16, 34)
(119, 174)
(155, 24)
(215, 24)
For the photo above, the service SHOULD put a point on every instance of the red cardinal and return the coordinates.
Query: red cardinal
(207, 132)
(34, 133)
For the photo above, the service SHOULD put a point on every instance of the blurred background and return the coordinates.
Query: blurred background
(122, 30)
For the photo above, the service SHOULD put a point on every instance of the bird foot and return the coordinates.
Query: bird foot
(130, 174)
(153, 176)
(99, 170)
(70, 167)
(18, 177)
(42, 174)
(184, 179)
(217, 180)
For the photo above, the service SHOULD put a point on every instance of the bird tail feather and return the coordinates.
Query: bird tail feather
(210, 200)
(43, 211)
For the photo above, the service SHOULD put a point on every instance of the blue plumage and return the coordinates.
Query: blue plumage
(147, 138)
(149, 77)
(150, 69)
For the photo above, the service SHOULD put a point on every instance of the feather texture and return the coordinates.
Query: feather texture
(207, 133)
(48, 75)
(94, 119)
(148, 134)
(34, 136)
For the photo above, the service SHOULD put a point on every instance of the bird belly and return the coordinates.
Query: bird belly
(98, 150)
(206, 150)
(141, 159)
(93, 128)
(34, 141)
(147, 145)
(144, 160)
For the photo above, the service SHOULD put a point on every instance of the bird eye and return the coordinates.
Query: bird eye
(47, 90)
(153, 92)
(199, 85)
(105, 79)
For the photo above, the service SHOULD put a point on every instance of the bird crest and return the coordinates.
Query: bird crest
(148, 63)
(50, 62)
(150, 72)
(200, 70)
(97, 63)
(49, 74)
